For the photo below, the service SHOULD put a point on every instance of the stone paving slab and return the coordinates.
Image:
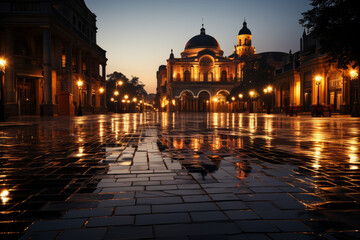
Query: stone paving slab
(225, 181)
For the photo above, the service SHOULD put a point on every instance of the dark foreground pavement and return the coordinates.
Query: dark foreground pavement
(180, 176)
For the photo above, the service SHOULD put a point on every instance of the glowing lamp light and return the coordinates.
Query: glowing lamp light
(2, 64)
(116, 93)
(251, 93)
(173, 102)
(318, 79)
(80, 83)
(112, 99)
(123, 100)
(134, 99)
(101, 90)
(269, 89)
(241, 96)
(233, 98)
(126, 96)
(215, 99)
(265, 90)
(120, 83)
(353, 74)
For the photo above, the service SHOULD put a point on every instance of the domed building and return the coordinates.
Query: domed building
(202, 78)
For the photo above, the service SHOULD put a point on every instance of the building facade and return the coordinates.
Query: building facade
(202, 78)
(307, 78)
(49, 46)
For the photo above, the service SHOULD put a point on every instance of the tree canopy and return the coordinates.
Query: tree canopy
(131, 87)
(336, 23)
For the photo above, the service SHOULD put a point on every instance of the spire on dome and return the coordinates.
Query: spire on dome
(202, 30)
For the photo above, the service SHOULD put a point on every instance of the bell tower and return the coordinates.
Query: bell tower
(244, 39)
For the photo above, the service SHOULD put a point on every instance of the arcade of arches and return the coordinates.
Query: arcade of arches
(188, 102)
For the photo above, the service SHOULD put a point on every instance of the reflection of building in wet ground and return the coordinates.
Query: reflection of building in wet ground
(116, 176)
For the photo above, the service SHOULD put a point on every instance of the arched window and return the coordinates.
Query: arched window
(210, 76)
(187, 76)
(178, 77)
(205, 76)
(223, 76)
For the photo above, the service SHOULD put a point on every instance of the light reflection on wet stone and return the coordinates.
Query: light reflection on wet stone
(179, 172)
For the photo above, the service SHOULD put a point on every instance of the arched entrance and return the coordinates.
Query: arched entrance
(220, 102)
(187, 102)
(204, 102)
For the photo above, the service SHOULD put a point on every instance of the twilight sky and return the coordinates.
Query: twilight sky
(138, 35)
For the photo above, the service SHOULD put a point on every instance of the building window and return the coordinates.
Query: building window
(187, 76)
(63, 60)
(223, 76)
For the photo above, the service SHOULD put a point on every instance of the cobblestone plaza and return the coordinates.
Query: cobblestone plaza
(180, 176)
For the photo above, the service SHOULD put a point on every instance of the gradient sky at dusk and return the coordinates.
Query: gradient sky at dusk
(139, 34)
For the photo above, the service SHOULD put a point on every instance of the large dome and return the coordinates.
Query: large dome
(202, 41)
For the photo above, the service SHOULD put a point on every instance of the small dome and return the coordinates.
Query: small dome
(202, 41)
(244, 30)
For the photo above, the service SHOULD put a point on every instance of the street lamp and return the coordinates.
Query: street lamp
(267, 92)
(355, 111)
(2, 100)
(116, 94)
(80, 83)
(251, 94)
(318, 80)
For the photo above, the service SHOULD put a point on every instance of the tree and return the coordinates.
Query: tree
(335, 23)
(133, 88)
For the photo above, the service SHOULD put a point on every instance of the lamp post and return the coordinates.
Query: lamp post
(80, 83)
(355, 110)
(251, 94)
(318, 82)
(241, 105)
(233, 103)
(2, 100)
(101, 91)
(268, 92)
(116, 94)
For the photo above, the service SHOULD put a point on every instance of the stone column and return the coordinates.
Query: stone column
(89, 85)
(68, 64)
(48, 106)
(10, 78)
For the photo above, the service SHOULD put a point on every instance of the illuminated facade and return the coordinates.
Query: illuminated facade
(307, 77)
(202, 78)
(49, 46)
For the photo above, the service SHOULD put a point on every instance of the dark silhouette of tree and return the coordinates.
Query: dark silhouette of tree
(257, 74)
(133, 88)
(336, 23)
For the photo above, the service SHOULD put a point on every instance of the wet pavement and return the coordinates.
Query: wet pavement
(180, 176)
